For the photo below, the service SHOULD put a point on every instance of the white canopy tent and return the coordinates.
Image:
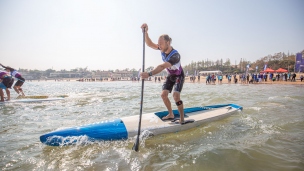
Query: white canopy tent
(210, 72)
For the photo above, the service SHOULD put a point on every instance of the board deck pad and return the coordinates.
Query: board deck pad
(176, 117)
(165, 113)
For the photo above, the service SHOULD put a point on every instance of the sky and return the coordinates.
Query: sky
(106, 34)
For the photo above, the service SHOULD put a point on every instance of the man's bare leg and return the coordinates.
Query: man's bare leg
(8, 93)
(21, 91)
(167, 103)
(180, 106)
(16, 89)
(1, 95)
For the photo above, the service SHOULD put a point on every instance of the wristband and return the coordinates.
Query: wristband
(150, 73)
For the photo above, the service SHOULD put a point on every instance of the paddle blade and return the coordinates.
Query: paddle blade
(136, 145)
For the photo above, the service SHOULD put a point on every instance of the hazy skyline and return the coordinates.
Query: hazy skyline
(106, 34)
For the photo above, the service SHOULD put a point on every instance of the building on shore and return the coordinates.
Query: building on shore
(65, 75)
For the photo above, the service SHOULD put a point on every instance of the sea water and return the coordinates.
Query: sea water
(267, 135)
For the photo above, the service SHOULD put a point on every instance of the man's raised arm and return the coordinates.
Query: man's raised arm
(147, 38)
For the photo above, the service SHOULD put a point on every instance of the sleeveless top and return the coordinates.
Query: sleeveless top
(15, 73)
(176, 68)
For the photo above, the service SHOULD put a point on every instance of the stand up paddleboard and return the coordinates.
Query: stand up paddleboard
(39, 97)
(31, 100)
(33, 97)
(126, 127)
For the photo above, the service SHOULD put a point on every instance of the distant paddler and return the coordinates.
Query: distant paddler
(6, 82)
(20, 79)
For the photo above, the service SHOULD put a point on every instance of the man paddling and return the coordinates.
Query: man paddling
(20, 79)
(175, 78)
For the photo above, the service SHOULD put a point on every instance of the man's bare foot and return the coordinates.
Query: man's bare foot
(168, 117)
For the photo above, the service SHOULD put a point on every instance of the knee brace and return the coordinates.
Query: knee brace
(179, 103)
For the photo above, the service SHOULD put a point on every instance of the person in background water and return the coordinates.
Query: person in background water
(6, 82)
(175, 78)
(293, 77)
(20, 79)
(220, 78)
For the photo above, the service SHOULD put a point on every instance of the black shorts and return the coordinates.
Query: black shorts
(174, 81)
(8, 82)
(20, 81)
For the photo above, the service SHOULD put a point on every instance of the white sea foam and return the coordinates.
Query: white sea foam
(272, 97)
(255, 108)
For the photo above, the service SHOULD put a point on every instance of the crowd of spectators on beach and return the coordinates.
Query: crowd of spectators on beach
(250, 78)
(212, 79)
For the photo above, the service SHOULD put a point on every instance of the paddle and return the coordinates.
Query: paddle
(136, 144)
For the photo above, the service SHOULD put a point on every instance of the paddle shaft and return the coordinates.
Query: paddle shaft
(136, 144)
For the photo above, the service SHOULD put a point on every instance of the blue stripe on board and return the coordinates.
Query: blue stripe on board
(106, 130)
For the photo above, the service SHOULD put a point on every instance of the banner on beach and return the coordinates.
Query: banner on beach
(299, 65)
(265, 67)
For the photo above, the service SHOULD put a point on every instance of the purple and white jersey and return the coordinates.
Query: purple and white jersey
(174, 59)
(2, 73)
(15, 73)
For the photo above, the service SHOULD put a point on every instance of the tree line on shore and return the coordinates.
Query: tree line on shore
(278, 60)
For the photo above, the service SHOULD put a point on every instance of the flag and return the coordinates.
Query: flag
(138, 73)
(247, 69)
(195, 73)
(265, 67)
(257, 67)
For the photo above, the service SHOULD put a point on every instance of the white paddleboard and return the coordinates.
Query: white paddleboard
(127, 127)
(31, 100)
